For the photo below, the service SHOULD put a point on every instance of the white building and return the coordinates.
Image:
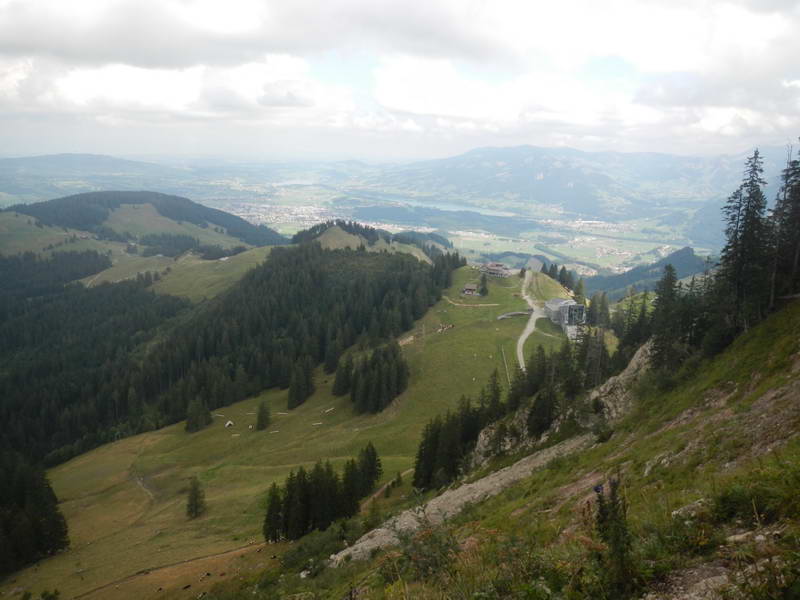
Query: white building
(567, 313)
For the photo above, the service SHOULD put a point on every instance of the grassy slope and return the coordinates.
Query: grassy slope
(193, 278)
(335, 238)
(141, 219)
(735, 418)
(18, 235)
(108, 510)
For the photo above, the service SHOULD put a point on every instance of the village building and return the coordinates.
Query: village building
(470, 289)
(496, 269)
(566, 313)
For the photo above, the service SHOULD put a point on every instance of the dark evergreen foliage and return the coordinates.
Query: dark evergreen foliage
(79, 369)
(313, 500)
(31, 524)
(195, 499)
(27, 275)
(376, 381)
(67, 383)
(262, 416)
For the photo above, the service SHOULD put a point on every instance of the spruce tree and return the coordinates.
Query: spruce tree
(197, 415)
(273, 518)
(665, 325)
(744, 260)
(262, 416)
(542, 413)
(483, 287)
(195, 501)
(580, 292)
(344, 373)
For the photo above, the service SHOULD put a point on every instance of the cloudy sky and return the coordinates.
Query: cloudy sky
(385, 80)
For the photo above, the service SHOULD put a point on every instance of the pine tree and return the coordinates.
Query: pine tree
(262, 416)
(483, 287)
(344, 373)
(562, 276)
(273, 519)
(666, 328)
(197, 415)
(553, 271)
(785, 268)
(744, 260)
(493, 394)
(580, 292)
(542, 411)
(195, 501)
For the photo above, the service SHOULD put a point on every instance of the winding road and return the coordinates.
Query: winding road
(538, 313)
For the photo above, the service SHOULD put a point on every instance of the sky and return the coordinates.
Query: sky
(395, 80)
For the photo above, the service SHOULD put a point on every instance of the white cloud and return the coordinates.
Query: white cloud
(636, 74)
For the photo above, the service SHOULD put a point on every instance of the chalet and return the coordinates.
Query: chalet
(566, 313)
(496, 269)
(470, 289)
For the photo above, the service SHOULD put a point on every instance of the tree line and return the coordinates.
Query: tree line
(27, 275)
(312, 500)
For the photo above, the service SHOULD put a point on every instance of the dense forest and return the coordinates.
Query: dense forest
(85, 366)
(31, 525)
(27, 275)
(90, 210)
(315, 499)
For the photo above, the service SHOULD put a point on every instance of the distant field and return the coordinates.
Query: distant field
(335, 238)
(193, 278)
(125, 502)
(19, 234)
(141, 219)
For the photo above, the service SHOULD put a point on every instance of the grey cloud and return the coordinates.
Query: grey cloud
(142, 33)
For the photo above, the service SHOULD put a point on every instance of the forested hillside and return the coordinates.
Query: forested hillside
(78, 370)
(90, 210)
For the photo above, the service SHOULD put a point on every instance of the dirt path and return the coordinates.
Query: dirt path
(144, 572)
(462, 304)
(383, 489)
(451, 502)
(140, 481)
(538, 313)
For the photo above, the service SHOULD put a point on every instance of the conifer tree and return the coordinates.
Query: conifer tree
(580, 292)
(262, 416)
(195, 501)
(483, 287)
(197, 415)
(744, 260)
(562, 276)
(542, 411)
(666, 328)
(344, 373)
(273, 519)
